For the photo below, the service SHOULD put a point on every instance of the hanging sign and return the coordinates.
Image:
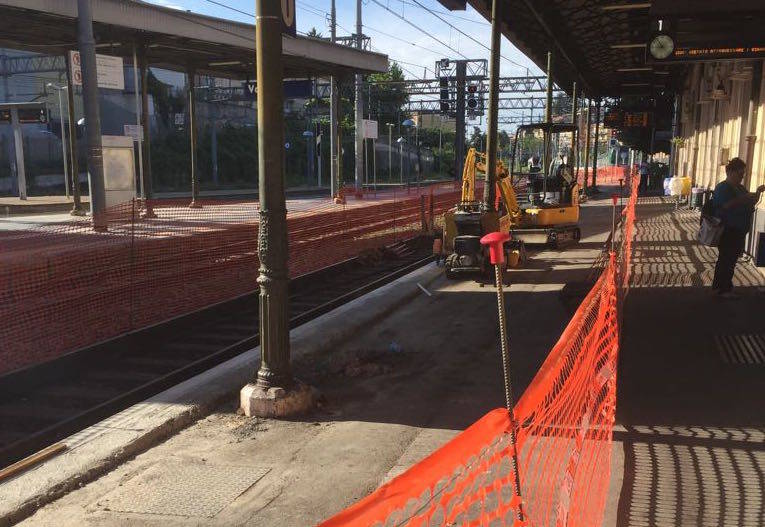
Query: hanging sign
(288, 17)
(109, 70)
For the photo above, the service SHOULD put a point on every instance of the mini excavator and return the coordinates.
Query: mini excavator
(547, 215)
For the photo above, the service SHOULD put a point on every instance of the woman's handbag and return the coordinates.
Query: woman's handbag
(710, 231)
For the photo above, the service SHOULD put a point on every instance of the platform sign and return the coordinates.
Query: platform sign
(133, 130)
(110, 71)
(288, 17)
(370, 129)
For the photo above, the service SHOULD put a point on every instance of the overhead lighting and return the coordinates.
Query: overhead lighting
(627, 46)
(225, 63)
(634, 69)
(626, 7)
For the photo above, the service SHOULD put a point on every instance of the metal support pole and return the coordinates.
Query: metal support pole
(459, 136)
(752, 115)
(595, 147)
(18, 147)
(359, 92)
(587, 145)
(63, 142)
(390, 152)
(489, 190)
(77, 209)
(674, 153)
(87, 46)
(137, 102)
(547, 154)
(334, 143)
(191, 74)
(272, 230)
(574, 135)
(148, 189)
(214, 137)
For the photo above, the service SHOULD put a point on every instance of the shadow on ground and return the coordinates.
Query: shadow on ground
(692, 425)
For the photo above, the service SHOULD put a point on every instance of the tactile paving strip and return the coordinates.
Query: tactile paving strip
(183, 489)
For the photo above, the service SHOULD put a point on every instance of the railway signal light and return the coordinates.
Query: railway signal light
(444, 105)
(472, 99)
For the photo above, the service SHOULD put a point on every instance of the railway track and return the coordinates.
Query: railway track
(45, 403)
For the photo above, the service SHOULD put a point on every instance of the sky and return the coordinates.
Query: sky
(416, 38)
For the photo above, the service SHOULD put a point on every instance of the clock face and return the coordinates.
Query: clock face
(662, 46)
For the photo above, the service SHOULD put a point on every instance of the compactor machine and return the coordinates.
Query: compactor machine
(547, 214)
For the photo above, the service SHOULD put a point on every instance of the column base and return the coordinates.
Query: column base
(277, 402)
(194, 205)
(77, 212)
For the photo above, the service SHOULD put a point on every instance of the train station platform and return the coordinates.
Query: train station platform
(13, 206)
(687, 441)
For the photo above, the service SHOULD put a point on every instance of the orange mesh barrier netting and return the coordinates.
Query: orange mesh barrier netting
(607, 175)
(64, 286)
(565, 423)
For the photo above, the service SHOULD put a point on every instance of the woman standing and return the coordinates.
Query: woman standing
(734, 206)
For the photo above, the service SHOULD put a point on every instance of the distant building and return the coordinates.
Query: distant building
(435, 121)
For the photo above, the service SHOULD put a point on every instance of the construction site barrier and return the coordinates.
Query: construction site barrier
(606, 175)
(564, 432)
(64, 286)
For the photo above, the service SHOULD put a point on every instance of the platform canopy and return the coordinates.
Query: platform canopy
(174, 39)
(603, 44)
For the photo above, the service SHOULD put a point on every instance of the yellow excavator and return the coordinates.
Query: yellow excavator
(547, 215)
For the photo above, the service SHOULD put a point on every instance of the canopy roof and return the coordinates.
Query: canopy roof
(174, 39)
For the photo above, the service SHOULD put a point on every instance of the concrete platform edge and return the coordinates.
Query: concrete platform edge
(105, 445)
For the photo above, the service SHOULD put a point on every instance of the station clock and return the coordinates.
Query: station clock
(661, 46)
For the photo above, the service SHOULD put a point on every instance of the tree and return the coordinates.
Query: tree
(386, 97)
(477, 139)
(314, 33)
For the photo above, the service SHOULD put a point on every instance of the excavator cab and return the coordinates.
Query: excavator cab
(547, 190)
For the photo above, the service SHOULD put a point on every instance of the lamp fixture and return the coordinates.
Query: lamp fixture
(626, 7)
(627, 46)
(225, 63)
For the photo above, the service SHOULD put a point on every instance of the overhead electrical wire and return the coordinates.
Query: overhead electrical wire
(415, 26)
(435, 14)
(402, 40)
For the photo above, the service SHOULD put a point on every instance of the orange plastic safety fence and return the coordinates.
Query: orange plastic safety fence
(606, 175)
(64, 286)
(565, 423)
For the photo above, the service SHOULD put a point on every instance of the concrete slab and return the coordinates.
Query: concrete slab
(394, 390)
(688, 446)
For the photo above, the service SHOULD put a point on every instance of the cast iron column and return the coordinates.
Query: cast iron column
(193, 138)
(148, 188)
(87, 46)
(359, 117)
(272, 234)
(489, 190)
(595, 147)
(75, 164)
(334, 147)
(587, 145)
(573, 158)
